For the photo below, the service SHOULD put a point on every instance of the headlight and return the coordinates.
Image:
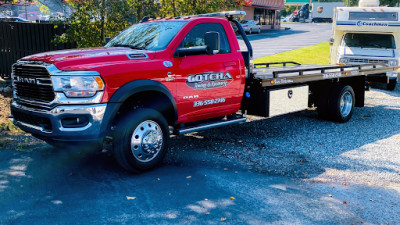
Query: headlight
(78, 86)
(393, 63)
(344, 60)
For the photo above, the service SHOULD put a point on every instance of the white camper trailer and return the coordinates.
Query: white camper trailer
(367, 34)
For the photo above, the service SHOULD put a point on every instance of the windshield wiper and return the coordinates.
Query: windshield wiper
(129, 46)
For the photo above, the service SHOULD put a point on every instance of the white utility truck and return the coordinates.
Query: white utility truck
(317, 13)
(324, 11)
(367, 34)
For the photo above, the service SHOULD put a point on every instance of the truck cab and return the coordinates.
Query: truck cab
(363, 35)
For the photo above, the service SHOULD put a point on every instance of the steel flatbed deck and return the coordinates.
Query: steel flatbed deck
(271, 74)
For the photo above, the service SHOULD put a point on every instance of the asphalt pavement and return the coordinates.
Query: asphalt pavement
(298, 35)
(292, 169)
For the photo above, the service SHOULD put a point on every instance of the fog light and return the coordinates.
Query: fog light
(75, 121)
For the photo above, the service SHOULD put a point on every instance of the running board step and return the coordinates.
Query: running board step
(209, 126)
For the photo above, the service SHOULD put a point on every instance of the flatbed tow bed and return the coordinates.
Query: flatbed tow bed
(272, 75)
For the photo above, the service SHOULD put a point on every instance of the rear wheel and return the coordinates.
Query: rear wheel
(341, 103)
(140, 140)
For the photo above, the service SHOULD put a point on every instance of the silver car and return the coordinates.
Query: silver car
(250, 26)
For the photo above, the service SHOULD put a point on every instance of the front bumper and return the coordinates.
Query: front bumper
(47, 124)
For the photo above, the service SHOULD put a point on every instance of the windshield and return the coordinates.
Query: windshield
(244, 21)
(369, 40)
(148, 36)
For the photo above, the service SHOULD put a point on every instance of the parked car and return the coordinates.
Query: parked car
(287, 18)
(31, 16)
(13, 19)
(250, 26)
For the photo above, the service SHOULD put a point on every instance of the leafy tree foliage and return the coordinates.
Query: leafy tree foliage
(93, 20)
(289, 9)
(191, 7)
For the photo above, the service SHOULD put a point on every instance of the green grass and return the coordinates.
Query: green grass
(314, 54)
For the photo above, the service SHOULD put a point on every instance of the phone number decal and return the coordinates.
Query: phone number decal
(208, 102)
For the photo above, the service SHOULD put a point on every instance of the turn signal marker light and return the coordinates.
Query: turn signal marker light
(99, 82)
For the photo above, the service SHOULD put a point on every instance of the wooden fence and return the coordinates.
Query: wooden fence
(21, 39)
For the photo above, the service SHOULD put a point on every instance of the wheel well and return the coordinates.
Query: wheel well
(357, 83)
(150, 99)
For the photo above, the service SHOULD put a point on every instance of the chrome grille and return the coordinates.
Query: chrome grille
(33, 83)
(368, 61)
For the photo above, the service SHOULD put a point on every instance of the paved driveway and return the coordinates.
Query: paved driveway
(299, 35)
(292, 169)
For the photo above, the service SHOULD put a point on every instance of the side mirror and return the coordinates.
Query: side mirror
(211, 47)
(212, 42)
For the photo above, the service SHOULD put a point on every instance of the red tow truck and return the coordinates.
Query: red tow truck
(170, 75)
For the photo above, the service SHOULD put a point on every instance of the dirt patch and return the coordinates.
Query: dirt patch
(11, 137)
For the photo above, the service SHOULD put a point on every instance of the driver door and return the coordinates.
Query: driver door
(206, 84)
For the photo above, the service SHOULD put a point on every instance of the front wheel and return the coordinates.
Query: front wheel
(140, 141)
(341, 103)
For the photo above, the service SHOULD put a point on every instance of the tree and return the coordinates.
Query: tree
(192, 7)
(93, 20)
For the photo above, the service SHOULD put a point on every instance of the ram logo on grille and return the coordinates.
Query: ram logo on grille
(26, 80)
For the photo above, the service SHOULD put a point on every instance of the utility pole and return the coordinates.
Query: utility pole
(26, 11)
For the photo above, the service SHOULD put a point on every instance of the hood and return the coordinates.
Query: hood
(90, 57)
(372, 52)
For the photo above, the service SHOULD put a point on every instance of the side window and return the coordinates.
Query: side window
(195, 37)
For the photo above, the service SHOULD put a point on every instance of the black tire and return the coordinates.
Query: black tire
(140, 157)
(341, 103)
(392, 84)
(322, 104)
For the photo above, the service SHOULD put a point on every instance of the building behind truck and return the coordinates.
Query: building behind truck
(367, 34)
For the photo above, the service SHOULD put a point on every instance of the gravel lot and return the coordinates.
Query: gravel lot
(293, 169)
(363, 151)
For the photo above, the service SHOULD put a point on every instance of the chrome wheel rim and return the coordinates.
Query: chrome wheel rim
(346, 104)
(146, 141)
